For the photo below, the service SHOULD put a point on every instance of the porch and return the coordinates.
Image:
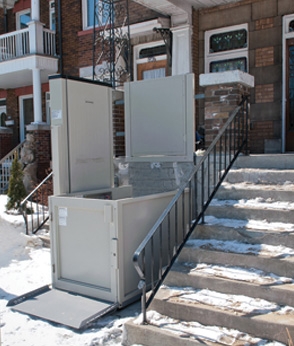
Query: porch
(24, 51)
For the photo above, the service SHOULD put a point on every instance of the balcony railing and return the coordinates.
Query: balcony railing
(16, 44)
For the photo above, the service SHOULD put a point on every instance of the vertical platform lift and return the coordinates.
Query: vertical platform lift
(96, 227)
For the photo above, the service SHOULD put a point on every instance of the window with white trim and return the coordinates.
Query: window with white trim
(97, 11)
(23, 18)
(52, 20)
(227, 49)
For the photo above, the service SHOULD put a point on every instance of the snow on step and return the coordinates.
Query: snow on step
(242, 248)
(236, 303)
(251, 275)
(250, 224)
(287, 186)
(196, 331)
(254, 203)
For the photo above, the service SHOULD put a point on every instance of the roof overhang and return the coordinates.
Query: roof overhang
(178, 7)
(7, 3)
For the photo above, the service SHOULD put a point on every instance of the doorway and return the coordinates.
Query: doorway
(26, 114)
(290, 96)
(150, 61)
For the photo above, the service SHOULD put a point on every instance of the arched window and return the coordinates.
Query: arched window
(291, 26)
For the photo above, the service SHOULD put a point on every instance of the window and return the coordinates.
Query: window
(48, 108)
(152, 52)
(226, 49)
(291, 26)
(97, 10)
(22, 19)
(52, 15)
(2, 112)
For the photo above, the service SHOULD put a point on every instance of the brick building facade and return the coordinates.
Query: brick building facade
(263, 55)
(265, 62)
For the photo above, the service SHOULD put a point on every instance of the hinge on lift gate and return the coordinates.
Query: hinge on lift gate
(51, 216)
(53, 268)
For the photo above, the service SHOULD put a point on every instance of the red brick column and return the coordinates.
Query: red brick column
(119, 130)
(42, 140)
(6, 141)
(223, 93)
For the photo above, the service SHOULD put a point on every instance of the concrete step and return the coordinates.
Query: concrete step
(267, 161)
(153, 335)
(250, 191)
(259, 318)
(257, 209)
(233, 280)
(249, 231)
(260, 176)
(273, 259)
(164, 330)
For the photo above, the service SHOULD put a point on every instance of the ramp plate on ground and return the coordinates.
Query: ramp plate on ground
(63, 307)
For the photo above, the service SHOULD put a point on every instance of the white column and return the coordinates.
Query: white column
(35, 29)
(35, 10)
(182, 50)
(37, 89)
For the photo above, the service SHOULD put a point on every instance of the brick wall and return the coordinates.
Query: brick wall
(119, 130)
(5, 142)
(71, 24)
(264, 19)
(13, 112)
(220, 101)
(42, 140)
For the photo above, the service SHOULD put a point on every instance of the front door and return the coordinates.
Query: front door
(152, 69)
(290, 97)
(26, 114)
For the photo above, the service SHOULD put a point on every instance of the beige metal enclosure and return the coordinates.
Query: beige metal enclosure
(81, 130)
(93, 241)
(160, 119)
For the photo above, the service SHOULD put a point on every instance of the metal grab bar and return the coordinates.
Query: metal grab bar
(156, 254)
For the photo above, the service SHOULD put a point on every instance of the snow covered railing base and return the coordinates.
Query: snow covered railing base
(156, 254)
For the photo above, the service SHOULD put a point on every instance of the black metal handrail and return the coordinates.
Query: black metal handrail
(156, 254)
(35, 206)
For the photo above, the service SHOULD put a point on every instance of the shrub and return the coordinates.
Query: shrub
(16, 190)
